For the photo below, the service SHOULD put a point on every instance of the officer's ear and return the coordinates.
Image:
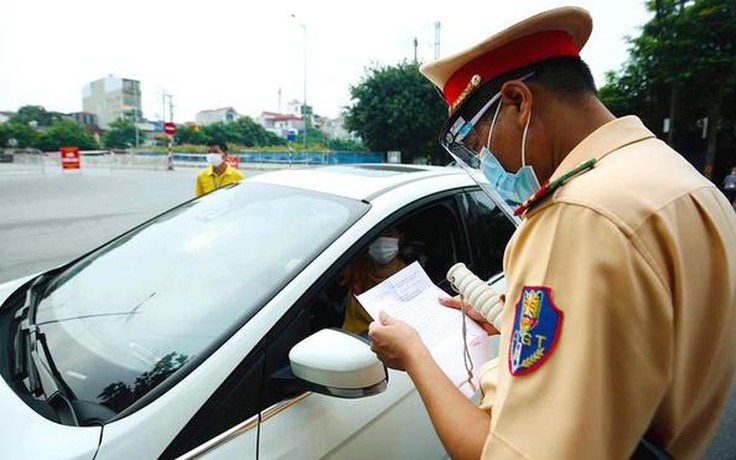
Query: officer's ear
(518, 97)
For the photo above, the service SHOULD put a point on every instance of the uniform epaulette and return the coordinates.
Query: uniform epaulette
(551, 186)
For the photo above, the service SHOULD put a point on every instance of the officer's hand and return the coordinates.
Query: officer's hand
(393, 341)
(454, 302)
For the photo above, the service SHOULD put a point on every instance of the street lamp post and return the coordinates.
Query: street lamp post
(305, 111)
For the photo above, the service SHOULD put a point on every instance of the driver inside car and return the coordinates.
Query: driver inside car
(370, 268)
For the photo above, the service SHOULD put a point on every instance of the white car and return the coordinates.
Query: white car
(174, 339)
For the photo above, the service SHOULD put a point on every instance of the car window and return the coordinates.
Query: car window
(489, 230)
(121, 320)
(428, 236)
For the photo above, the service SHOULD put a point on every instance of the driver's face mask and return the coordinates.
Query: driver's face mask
(384, 249)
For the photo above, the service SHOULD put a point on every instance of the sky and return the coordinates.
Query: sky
(250, 55)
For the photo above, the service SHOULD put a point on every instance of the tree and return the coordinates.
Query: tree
(242, 131)
(35, 114)
(682, 67)
(120, 134)
(253, 134)
(24, 135)
(193, 135)
(221, 133)
(346, 145)
(396, 108)
(64, 133)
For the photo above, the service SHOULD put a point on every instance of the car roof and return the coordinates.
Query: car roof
(358, 181)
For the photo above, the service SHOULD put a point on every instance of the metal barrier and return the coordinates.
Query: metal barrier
(282, 159)
(51, 161)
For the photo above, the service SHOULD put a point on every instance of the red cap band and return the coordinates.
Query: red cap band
(511, 56)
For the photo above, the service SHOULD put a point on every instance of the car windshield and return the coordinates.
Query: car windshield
(122, 319)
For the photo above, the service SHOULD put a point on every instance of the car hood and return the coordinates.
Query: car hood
(27, 435)
(9, 287)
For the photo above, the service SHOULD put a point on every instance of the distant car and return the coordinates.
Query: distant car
(174, 339)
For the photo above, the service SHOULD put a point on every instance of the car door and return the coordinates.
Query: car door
(392, 424)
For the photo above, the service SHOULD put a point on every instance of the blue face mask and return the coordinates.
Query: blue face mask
(513, 187)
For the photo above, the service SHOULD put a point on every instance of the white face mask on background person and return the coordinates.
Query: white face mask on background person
(215, 159)
(384, 249)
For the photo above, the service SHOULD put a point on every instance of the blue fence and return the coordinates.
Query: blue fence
(306, 158)
(324, 158)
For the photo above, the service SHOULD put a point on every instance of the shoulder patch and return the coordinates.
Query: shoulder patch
(537, 326)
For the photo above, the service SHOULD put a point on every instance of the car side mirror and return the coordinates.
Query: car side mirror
(334, 362)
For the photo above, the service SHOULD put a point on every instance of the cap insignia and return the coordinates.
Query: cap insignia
(469, 88)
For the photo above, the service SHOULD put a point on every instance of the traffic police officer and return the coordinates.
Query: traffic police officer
(619, 318)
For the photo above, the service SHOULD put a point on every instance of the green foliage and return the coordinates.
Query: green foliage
(346, 145)
(682, 64)
(66, 132)
(193, 135)
(243, 131)
(253, 134)
(24, 135)
(316, 139)
(120, 134)
(35, 114)
(690, 44)
(396, 108)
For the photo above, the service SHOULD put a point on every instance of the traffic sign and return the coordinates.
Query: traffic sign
(70, 157)
(233, 161)
(170, 127)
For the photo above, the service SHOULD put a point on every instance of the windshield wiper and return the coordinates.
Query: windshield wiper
(33, 360)
(22, 362)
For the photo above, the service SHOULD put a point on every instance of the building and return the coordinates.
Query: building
(222, 115)
(112, 98)
(335, 129)
(285, 125)
(6, 116)
(84, 118)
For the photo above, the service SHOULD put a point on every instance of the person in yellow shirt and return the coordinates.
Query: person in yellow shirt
(218, 174)
(617, 325)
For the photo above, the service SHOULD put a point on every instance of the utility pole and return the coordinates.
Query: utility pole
(163, 106)
(171, 107)
(305, 110)
(416, 43)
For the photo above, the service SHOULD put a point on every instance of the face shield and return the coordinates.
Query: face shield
(466, 140)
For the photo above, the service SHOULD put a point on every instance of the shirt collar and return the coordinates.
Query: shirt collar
(211, 171)
(604, 140)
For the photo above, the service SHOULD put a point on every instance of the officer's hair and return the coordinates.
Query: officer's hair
(567, 76)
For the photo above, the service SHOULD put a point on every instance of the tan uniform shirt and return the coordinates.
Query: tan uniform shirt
(620, 317)
(208, 181)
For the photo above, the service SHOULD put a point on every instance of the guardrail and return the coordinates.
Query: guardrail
(158, 160)
(283, 158)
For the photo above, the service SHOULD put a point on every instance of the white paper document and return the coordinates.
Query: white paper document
(410, 296)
